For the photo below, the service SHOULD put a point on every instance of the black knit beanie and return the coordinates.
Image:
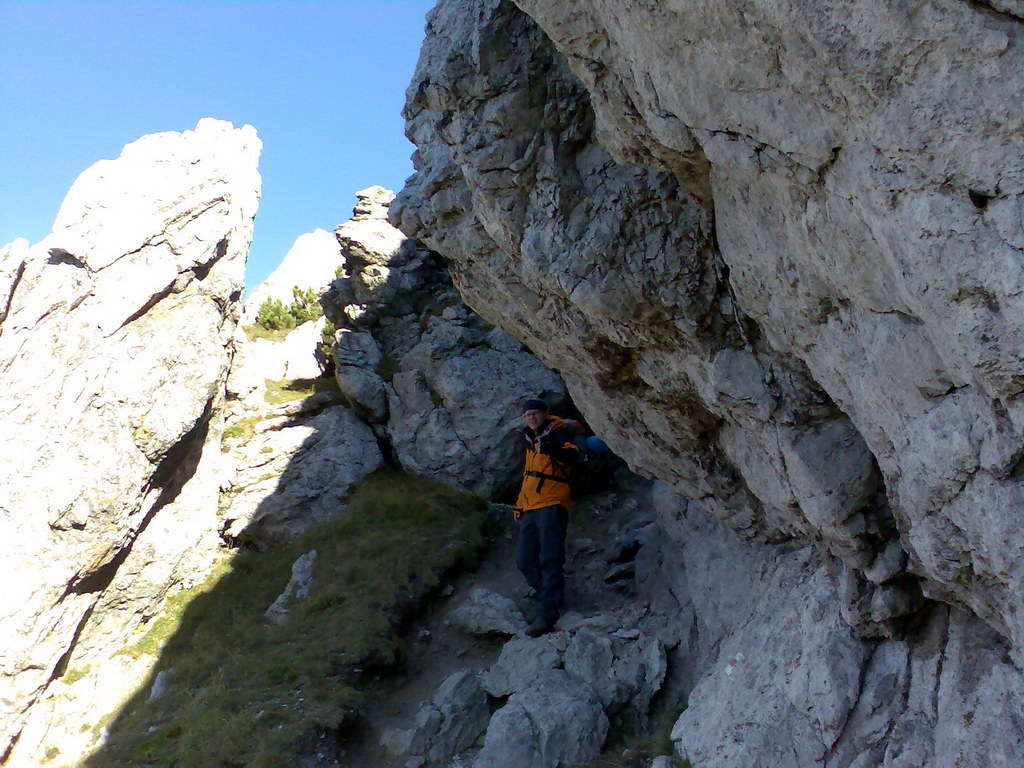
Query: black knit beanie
(535, 405)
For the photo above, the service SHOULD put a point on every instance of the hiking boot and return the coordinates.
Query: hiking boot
(529, 606)
(540, 626)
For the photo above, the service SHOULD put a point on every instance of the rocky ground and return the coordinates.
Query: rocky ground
(475, 690)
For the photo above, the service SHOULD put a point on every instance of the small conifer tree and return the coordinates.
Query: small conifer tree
(305, 305)
(273, 316)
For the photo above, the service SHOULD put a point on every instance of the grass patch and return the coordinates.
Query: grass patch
(253, 332)
(286, 390)
(157, 632)
(247, 692)
(243, 429)
(75, 674)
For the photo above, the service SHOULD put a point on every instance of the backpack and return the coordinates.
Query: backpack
(591, 472)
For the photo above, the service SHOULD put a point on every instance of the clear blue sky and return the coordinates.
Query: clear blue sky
(323, 82)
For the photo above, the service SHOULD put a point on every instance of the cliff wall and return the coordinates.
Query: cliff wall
(775, 250)
(114, 346)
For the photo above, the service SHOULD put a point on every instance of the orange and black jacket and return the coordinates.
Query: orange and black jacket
(550, 456)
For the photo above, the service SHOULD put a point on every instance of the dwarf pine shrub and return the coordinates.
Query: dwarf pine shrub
(305, 305)
(273, 315)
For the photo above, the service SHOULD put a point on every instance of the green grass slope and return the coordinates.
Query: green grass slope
(248, 693)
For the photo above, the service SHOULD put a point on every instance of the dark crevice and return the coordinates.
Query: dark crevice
(10, 747)
(10, 294)
(60, 256)
(175, 469)
(828, 164)
(940, 664)
(987, 6)
(156, 298)
(62, 663)
(202, 270)
(979, 199)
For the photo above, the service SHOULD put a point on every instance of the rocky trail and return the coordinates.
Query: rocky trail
(475, 627)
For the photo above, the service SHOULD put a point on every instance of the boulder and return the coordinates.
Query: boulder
(557, 720)
(522, 659)
(448, 724)
(297, 469)
(115, 346)
(161, 683)
(626, 668)
(488, 613)
(297, 588)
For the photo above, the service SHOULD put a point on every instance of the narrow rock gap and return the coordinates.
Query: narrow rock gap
(10, 747)
(62, 663)
(10, 294)
(202, 270)
(941, 663)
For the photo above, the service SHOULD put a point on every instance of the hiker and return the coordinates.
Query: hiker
(542, 510)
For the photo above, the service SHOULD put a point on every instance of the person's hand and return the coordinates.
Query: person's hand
(517, 514)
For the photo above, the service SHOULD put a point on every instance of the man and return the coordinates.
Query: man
(543, 510)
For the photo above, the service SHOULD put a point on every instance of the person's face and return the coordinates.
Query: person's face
(534, 418)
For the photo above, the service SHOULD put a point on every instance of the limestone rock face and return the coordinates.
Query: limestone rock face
(780, 677)
(114, 347)
(845, 232)
(311, 262)
(297, 468)
(745, 254)
(611, 274)
(440, 385)
(775, 251)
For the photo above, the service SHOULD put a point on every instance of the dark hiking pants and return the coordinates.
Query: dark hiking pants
(540, 557)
